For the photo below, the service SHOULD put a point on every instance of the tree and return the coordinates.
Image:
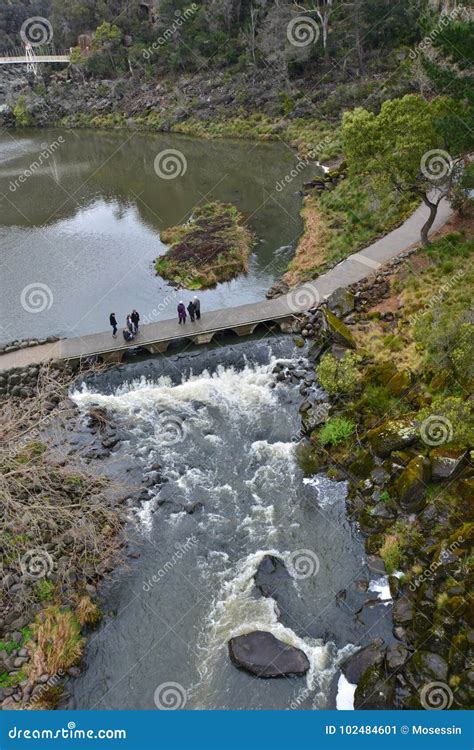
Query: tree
(417, 145)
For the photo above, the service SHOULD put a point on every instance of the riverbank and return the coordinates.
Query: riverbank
(60, 534)
(401, 431)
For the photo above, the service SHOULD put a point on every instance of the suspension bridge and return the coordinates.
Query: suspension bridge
(32, 56)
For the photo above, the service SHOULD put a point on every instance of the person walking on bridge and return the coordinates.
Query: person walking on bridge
(181, 313)
(113, 323)
(192, 310)
(197, 308)
(135, 319)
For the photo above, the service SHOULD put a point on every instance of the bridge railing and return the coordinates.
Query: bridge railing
(44, 50)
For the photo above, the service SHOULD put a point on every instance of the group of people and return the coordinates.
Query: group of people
(194, 310)
(130, 329)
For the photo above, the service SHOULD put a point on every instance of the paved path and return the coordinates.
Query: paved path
(242, 319)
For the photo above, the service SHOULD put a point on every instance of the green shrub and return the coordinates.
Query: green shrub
(377, 399)
(339, 376)
(336, 430)
(23, 118)
(452, 421)
(44, 590)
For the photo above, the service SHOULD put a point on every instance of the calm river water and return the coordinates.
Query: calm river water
(79, 234)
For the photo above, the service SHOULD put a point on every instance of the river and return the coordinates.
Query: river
(224, 431)
(80, 225)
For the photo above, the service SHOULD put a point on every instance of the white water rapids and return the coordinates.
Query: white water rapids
(226, 441)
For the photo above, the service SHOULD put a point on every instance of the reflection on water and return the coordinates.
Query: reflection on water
(86, 222)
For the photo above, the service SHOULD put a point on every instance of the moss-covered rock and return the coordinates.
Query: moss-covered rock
(341, 302)
(465, 488)
(400, 382)
(425, 667)
(412, 483)
(375, 690)
(362, 464)
(394, 434)
(338, 330)
(445, 463)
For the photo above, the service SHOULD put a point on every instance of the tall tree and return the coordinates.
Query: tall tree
(417, 145)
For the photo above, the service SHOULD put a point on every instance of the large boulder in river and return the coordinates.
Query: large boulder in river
(355, 666)
(392, 435)
(271, 576)
(263, 655)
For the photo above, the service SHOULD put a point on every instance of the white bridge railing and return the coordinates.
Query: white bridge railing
(33, 56)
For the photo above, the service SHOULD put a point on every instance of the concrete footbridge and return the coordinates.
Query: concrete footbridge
(243, 319)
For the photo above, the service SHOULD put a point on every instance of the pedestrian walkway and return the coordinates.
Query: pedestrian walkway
(243, 319)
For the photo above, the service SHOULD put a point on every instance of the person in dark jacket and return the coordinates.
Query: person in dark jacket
(135, 319)
(129, 324)
(113, 323)
(197, 307)
(128, 335)
(181, 313)
(191, 311)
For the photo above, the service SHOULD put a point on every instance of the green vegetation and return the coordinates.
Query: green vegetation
(23, 118)
(213, 246)
(455, 417)
(339, 376)
(44, 590)
(357, 211)
(56, 642)
(396, 144)
(336, 430)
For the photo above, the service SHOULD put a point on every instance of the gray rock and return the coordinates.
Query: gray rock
(263, 655)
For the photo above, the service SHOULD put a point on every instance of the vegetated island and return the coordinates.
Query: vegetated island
(213, 246)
